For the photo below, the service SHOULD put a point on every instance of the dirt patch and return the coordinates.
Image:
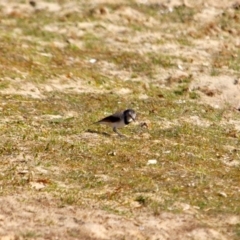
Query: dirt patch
(218, 91)
(40, 218)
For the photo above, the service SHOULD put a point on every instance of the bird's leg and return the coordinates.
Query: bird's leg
(119, 134)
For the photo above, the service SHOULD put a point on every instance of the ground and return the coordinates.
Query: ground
(66, 64)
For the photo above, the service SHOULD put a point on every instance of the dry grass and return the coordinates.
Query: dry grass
(46, 141)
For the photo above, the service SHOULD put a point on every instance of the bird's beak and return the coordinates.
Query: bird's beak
(133, 118)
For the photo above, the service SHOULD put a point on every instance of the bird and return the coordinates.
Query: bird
(119, 120)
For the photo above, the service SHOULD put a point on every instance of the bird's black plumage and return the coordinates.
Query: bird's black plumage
(119, 119)
(110, 119)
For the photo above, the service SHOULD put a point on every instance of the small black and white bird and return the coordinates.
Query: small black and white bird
(119, 120)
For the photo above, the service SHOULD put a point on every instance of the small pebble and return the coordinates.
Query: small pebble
(222, 194)
(152, 161)
(93, 60)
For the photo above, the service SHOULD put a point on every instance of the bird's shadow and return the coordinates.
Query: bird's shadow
(98, 132)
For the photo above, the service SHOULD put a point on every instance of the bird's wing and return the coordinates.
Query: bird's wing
(111, 119)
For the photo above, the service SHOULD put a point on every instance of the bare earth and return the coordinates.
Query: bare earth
(51, 222)
(23, 213)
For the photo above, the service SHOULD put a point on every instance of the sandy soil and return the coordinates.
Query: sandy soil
(38, 217)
